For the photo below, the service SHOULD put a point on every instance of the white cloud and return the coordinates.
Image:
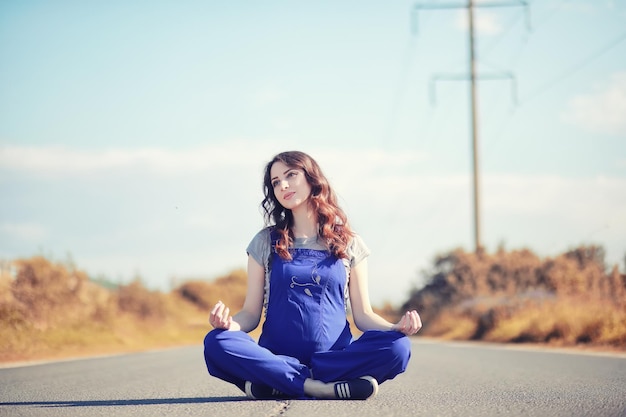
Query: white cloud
(54, 160)
(24, 232)
(588, 203)
(408, 220)
(269, 95)
(199, 223)
(281, 123)
(369, 162)
(602, 111)
(485, 22)
(57, 160)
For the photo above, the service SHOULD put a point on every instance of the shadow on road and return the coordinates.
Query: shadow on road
(104, 403)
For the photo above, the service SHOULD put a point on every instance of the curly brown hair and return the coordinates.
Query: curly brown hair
(332, 221)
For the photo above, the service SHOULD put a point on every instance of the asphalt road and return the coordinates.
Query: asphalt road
(443, 379)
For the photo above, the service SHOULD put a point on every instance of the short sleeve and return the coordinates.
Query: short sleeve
(357, 251)
(260, 246)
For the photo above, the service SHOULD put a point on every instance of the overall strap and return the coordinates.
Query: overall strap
(274, 238)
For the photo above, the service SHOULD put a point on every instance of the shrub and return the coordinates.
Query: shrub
(231, 289)
(518, 297)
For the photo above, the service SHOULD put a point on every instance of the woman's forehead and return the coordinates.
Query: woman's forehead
(278, 168)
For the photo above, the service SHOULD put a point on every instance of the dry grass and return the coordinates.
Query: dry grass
(517, 297)
(568, 321)
(50, 310)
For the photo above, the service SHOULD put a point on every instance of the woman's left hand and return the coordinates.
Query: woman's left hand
(409, 324)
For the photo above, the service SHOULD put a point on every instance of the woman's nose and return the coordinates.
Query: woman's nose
(284, 184)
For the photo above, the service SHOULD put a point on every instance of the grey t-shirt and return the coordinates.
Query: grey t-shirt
(260, 247)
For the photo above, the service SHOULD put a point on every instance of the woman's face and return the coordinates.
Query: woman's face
(290, 185)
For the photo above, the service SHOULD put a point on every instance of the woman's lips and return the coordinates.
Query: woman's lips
(288, 196)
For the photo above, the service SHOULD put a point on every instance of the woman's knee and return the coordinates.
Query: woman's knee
(210, 340)
(214, 346)
(402, 344)
(219, 342)
(400, 353)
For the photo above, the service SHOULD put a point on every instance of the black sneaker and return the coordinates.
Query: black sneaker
(356, 389)
(263, 392)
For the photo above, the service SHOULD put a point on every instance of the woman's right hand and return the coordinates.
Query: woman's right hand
(220, 317)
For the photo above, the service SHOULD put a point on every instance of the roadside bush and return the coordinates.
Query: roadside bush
(518, 297)
(135, 299)
(46, 294)
(230, 289)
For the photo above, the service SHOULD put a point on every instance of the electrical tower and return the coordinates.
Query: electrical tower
(473, 76)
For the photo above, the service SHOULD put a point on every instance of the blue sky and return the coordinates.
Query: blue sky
(133, 134)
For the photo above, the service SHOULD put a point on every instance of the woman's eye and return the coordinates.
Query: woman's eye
(275, 183)
(292, 174)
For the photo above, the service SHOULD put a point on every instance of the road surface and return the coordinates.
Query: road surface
(443, 379)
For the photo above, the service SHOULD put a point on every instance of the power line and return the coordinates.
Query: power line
(574, 69)
(502, 35)
(540, 22)
(555, 80)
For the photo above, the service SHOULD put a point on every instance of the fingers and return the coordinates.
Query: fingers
(416, 320)
(220, 316)
(410, 323)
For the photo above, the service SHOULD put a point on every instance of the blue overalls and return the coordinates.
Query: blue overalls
(305, 334)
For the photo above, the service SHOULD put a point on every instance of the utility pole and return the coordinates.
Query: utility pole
(473, 76)
(474, 114)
